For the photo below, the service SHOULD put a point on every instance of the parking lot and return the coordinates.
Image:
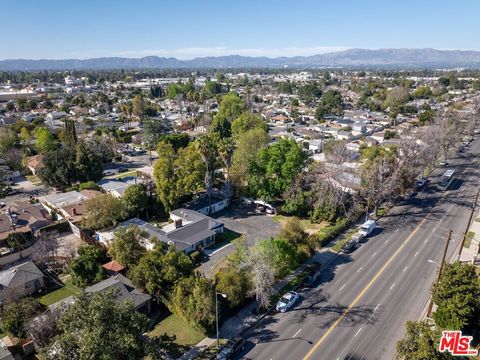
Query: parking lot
(242, 219)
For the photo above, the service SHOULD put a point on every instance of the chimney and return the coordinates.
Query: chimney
(178, 223)
(74, 211)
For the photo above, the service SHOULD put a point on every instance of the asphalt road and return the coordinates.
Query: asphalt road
(359, 308)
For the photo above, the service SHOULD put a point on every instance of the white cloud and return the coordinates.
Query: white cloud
(190, 53)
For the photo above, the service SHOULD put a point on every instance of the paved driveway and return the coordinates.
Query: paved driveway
(242, 219)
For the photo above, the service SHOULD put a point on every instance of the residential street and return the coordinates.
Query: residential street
(359, 308)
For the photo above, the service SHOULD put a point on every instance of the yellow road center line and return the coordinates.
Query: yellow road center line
(365, 289)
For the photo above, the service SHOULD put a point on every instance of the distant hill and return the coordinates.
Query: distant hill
(352, 58)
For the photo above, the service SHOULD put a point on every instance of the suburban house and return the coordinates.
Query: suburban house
(188, 231)
(22, 217)
(35, 163)
(70, 205)
(205, 206)
(117, 187)
(22, 280)
(124, 291)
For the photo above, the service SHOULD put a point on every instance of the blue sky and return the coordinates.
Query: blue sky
(185, 29)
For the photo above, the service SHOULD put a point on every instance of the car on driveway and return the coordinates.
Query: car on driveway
(232, 346)
(287, 301)
(442, 164)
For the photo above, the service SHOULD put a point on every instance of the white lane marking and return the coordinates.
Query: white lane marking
(376, 308)
(405, 268)
(391, 287)
(397, 230)
(360, 268)
(416, 253)
(298, 332)
(386, 242)
(341, 288)
(357, 332)
(425, 241)
(375, 253)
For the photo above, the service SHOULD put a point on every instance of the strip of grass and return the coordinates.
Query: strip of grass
(208, 353)
(177, 336)
(468, 239)
(33, 179)
(338, 245)
(52, 297)
(292, 284)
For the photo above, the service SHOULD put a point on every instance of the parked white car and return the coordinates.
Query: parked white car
(287, 301)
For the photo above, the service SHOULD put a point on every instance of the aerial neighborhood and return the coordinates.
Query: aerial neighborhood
(170, 210)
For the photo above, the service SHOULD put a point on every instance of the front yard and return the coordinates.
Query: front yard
(177, 336)
(309, 227)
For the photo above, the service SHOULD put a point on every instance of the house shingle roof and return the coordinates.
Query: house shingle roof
(125, 288)
(19, 275)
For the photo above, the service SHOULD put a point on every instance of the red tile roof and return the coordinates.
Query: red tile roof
(114, 266)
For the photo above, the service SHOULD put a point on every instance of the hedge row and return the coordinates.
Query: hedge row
(329, 233)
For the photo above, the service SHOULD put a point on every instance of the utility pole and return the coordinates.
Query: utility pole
(440, 269)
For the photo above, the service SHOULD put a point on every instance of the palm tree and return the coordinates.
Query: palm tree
(225, 150)
(205, 148)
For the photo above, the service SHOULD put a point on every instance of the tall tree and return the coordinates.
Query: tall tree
(86, 269)
(159, 270)
(45, 140)
(206, 148)
(97, 326)
(276, 168)
(102, 212)
(457, 296)
(225, 150)
(127, 246)
(420, 343)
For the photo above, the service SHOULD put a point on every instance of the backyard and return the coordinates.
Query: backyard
(59, 294)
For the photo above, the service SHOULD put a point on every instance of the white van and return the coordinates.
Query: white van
(367, 228)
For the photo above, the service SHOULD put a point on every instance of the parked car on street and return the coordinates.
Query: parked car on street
(232, 346)
(350, 246)
(420, 183)
(313, 275)
(287, 301)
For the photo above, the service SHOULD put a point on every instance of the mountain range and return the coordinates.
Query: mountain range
(352, 58)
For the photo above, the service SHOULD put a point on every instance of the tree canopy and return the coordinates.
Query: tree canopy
(276, 167)
(97, 326)
(86, 269)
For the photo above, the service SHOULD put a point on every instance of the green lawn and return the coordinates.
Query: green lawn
(59, 294)
(33, 179)
(227, 237)
(468, 239)
(177, 335)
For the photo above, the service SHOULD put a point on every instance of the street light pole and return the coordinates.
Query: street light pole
(435, 284)
(216, 315)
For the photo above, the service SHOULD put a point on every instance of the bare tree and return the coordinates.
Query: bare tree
(46, 246)
(259, 261)
(43, 328)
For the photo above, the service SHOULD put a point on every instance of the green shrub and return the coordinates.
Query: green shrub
(331, 232)
(195, 256)
(89, 185)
